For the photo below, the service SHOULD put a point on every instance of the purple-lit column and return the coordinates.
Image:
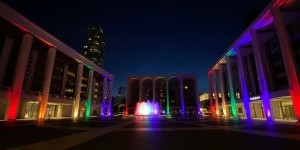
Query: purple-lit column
(47, 82)
(246, 99)
(77, 90)
(4, 56)
(222, 89)
(109, 109)
(215, 88)
(182, 96)
(289, 60)
(264, 94)
(104, 91)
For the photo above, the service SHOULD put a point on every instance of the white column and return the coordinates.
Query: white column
(64, 80)
(243, 84)
(222, 89)
(104, 91)
(28, 83)
(289, 60)
(20, 70)
(77, 90)
(215, 87)
(47, 82)
(4, 56)
(90, 94)
(259, 59)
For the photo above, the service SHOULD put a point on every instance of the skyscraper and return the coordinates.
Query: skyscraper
(94, 45)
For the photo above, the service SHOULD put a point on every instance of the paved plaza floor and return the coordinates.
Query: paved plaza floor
(148, 133)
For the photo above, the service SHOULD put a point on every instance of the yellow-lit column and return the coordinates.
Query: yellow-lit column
(222, 90)
(47, 82)
(77, 90)
(5, 56)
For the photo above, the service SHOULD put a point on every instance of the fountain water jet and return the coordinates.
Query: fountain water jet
(147, 108)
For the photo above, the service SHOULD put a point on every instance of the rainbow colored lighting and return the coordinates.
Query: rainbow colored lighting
(147, 108)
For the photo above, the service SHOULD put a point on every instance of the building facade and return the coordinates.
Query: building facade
(94, 47)
(175, 94)
(41, 77)
(258, 76)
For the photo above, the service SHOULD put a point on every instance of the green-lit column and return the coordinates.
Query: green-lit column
(232, 98)
(90, 93)
(168, 98)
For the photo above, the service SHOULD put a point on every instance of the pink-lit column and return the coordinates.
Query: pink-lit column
(109, 109)
(28, 83)
(222, 89)
(215, 87)
(104, 92)
(259, 59)
(47, 82)
(77, 90)
(4, 56)
(211, 102)
(246, 99)
(21, 65)
(64, 80)
(289, 60)
(182, 96)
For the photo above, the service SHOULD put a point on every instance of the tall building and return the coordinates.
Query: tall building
(41, 77)
(258, 75)
(94, 45)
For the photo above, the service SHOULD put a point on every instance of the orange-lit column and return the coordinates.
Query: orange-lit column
(4, 56)
(104, 92)
(215, 87)
(77, 90)
(222, 89)
(289, 60)
(47, 82)
(21, 65)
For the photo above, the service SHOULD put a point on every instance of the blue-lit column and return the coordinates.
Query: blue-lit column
(4, 56)
(104, 92)
(89, 94)
(182, 96)
(246, 99)
(215, 89)
(222, 89)
(168, 98)
(77, 90)
(109, 108)
(264, 94)
(231, 90)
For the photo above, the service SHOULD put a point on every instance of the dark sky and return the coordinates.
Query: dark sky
(154, 37)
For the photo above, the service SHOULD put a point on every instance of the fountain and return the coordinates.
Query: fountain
(147, 108)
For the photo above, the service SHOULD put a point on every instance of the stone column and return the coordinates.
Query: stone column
(259, 59)
(28, 83)
(216, 93)
(47, 82)
(104, 90)
(21, 65)
(246, 99)
(289, 60)
(64, 80)
(231, 90)
(77, 90)
(222, 89)
(109, 109)
(182, 96)
(90, 94)
(4, 56)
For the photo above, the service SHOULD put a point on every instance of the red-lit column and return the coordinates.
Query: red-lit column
(77, 90)
(215, 87)
(21, 65)
(289, 60)
(211, 102)
(109, 109)
(222, 89)
(28, 83)
(104, 92)
(4, 56)
(64, 80)
(259, 59)
(90, 94)
(47, 81)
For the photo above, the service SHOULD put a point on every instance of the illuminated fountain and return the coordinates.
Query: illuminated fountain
(147, 108)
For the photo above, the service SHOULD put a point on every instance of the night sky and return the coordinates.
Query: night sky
(155, 37)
